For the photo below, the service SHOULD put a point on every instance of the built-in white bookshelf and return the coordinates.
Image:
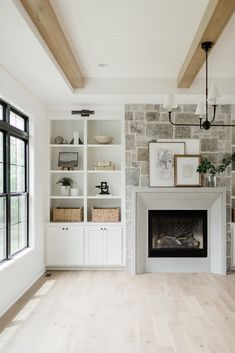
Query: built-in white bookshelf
(84, 176)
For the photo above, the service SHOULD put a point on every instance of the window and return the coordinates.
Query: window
(14, 235)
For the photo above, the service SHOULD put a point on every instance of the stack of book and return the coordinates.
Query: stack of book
(104, 165)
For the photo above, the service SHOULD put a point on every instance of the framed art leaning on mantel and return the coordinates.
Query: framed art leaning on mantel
(186, 170)
(161, 162)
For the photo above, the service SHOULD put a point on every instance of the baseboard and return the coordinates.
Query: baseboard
(85, 268)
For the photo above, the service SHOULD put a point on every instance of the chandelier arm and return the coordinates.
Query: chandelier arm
(226, 125)
(180, 124)
(214, 112)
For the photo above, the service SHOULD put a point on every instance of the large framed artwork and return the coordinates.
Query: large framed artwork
(186, 170)
(161, 162)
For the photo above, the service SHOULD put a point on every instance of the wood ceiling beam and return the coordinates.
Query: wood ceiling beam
(215, 19)
(47, 24)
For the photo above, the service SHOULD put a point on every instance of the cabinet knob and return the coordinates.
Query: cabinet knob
(63, 228)
(67, 228)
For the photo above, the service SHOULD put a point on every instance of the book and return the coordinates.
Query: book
(103, 163)
(111, 167)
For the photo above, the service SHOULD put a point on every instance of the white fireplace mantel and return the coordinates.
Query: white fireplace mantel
(211, 199)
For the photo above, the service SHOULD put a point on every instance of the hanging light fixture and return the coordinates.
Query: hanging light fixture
(205, 123)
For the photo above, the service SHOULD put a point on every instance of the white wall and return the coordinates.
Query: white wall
(17, 275)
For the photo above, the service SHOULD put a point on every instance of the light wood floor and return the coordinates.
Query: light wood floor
(114, 312)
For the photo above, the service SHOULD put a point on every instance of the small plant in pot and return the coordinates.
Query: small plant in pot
(65, 185)
(212, 171)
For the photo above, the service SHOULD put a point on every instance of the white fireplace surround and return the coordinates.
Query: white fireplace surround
(211, 199)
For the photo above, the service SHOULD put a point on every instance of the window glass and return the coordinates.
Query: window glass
(1, 162)
(18, 223)
(17, 121)
(13, 185)
(17, 164)
(2, 228)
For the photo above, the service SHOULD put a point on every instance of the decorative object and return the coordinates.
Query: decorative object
(212, 171)
(203, 108)
(76, 138)
(161, 162)
(74, 192)
(83, 112)
(68, 159)
(104, 165)
(111, 167)
(72, 142)
(58, 140)
(105, 214)
(104, 188)
(186, 170)
(103, 139)
(65, 185)
(63, 214)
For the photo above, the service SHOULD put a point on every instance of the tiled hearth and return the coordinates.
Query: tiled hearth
(146, 122)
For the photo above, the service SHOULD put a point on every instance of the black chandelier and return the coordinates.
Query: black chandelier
(202, 109)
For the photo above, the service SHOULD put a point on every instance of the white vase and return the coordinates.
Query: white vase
(74, 192)
(65, 190)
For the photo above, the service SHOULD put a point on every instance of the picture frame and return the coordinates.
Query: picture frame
(161, 162)
(186, 174)
(68, 159)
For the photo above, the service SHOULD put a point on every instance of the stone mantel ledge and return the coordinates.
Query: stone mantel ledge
(189, 197)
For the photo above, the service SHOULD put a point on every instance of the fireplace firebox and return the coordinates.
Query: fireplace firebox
(177, 233)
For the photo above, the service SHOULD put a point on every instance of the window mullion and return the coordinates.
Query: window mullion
(8, 198)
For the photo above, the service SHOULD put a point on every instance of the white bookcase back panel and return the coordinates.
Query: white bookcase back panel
(104, 153)
(66, 129)
(78, 183)
(104, 128)
(55, 156)
(113, 181)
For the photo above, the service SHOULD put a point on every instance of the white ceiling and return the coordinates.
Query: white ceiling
(135, 38)
(142, 42)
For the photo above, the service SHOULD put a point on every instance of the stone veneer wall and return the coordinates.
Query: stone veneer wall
(146, 122)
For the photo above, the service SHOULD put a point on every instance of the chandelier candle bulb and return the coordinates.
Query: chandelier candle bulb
(201, 109)
(214, 94)
(170, 102)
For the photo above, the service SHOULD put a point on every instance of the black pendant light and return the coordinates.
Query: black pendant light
(205, 122)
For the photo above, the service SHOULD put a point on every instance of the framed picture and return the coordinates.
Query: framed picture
(186, 170)
(68, 159)
(161, 162)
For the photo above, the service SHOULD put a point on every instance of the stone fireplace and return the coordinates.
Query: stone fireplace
(177, 233)
(144, 122)
(187, 228)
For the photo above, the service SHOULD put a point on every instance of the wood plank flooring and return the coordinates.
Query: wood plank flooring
(115, 312)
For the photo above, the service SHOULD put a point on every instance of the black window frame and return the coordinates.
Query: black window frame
(8, 132)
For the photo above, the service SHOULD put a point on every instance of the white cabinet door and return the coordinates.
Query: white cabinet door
(114, 246)
(95, 244)
(55, 246)
(74, 246)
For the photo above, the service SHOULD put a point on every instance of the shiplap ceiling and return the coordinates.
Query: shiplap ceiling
(142, 42)
(134, 38)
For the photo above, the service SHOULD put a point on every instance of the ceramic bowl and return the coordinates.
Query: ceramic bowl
(103, 139)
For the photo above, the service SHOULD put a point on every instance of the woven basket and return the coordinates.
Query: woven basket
(67, 214)
(105, 214)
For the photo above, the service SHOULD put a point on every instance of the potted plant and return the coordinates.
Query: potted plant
(212, 171)
(65, 185)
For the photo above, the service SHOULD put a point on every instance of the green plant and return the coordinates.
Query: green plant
(207, 167)
(65, 181)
